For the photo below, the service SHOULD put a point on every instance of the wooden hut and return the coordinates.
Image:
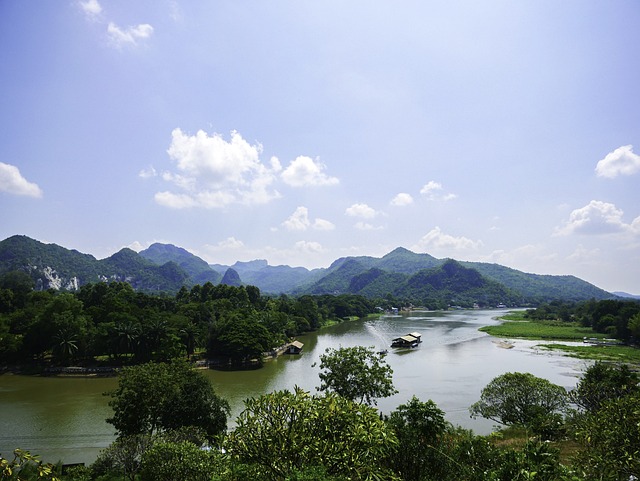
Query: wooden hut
(294, 347)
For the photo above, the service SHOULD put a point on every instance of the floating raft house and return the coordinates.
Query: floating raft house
(409, 340)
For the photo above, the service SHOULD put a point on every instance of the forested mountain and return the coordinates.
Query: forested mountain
(197, 269)
(54, 267)
(400, 275)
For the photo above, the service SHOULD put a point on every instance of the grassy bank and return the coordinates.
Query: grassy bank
(516, 326)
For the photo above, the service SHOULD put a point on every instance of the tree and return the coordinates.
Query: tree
(611, 440)
(284, 432)
(419, 427)
(153, 397)
(123, 456)
(522, 399)
(356, 373)
(602, 382)
(240, 338)
(169, 461)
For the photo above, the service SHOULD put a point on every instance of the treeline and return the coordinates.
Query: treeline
(113, 323)
(619, 319)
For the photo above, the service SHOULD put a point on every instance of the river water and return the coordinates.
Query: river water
(64, 418)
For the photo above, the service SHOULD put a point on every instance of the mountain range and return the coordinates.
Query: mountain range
(399, 275)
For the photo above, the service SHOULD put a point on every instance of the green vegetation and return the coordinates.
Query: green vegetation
(112, 324)
(296, 436)
(157, 397)
(356, 373)
(557, 330)
(562, 321)
(522, 399)
(172, 425)
(626, 354)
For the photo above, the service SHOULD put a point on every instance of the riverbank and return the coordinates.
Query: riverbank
(515, 325)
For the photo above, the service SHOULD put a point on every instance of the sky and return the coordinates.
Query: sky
(300, 132)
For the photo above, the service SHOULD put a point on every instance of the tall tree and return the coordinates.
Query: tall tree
(152, 398)
(357, 373)
(603, 382)
(419, 427)
(517, 398)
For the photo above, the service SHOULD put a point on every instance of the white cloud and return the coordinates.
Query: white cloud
(361, 210)
(230, 243)
(528, 258)
(439, 240)
(584, 255)
(621, 161)
(299, 220)
(91, 8)
(596, 218)
(148, 172)
(304, 171)
(213, 173)
(433, 191)
(12, 182)
(130, 36)
(323, 224)
(308, 247)
(402, 199)
(366, 226)
(175, 201)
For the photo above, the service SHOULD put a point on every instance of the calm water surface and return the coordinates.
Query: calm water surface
(64, 418)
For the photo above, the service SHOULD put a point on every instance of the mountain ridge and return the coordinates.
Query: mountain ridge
(400, 273)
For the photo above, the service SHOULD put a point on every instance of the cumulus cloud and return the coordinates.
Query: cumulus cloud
(304, 171)
(439, 240)
(308, 247)
(299, 220)
(12, 182)
(622, 161)
(91, 8)
(401, 200)
(361, 210)
(212, 172)
(597, 218)
(323, 224)
(129, 36)
(433, 191)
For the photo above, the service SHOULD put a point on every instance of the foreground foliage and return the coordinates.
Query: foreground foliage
(283, 432)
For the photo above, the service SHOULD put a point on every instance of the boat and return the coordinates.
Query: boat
(410, 340)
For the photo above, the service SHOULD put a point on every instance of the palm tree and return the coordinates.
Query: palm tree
(65, 345)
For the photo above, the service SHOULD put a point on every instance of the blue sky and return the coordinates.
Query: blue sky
(300, 132)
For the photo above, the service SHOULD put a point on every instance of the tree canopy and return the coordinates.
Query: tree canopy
(283, 432)
(155, 397)
(356, 373)
(517, 398)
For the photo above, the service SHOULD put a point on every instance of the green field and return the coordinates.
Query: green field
(516, 326)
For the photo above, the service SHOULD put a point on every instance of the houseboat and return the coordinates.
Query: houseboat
(409, 340)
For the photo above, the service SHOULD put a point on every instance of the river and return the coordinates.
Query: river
(64, 418)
